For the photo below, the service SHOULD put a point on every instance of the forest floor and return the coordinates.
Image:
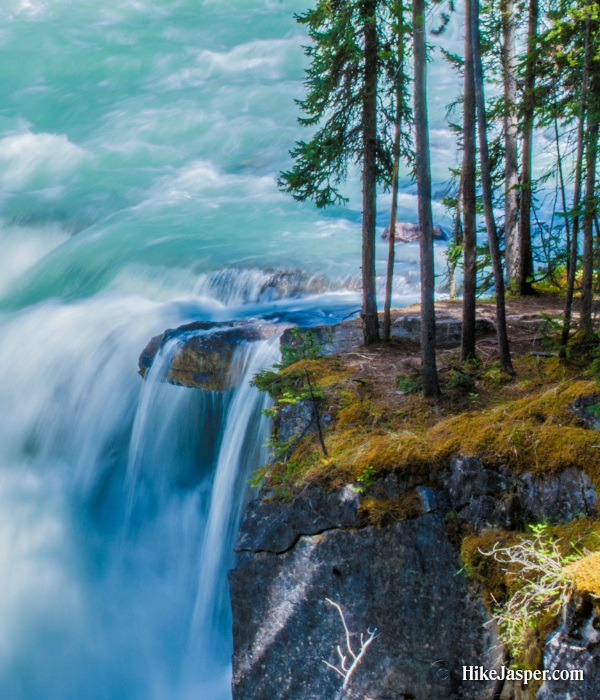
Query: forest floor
(378, 421)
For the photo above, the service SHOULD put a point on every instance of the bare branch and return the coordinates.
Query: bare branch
(339, 609)
(342, 670)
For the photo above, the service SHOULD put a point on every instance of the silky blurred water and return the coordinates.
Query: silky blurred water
(140, 143)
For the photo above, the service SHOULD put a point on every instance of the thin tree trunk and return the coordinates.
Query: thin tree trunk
(526, 260)
(563, 191)
(369, 174)
(589, 213)
(469, 196)
(576, 196)
(431, 386)
(512, 248)
(387, 307)
(486, 189)
(597, 250)
(457, 241)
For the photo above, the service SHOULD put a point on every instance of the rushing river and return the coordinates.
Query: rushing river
(140, 142)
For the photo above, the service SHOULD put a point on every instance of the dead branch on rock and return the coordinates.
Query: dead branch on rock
(352, 658)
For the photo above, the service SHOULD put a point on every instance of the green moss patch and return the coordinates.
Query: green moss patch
(538, 433)
(500, 581)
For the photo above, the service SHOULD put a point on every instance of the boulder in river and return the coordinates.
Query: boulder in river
(406, 232)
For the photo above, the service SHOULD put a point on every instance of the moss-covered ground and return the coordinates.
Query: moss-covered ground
(380, 423)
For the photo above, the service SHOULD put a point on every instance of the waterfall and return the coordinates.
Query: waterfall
(119, 503)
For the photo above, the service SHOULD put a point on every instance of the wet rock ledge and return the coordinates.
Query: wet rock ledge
(204, 351)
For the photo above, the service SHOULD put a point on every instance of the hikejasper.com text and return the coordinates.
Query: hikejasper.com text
(525, 676)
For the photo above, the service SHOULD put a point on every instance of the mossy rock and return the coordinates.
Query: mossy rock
(586, 574)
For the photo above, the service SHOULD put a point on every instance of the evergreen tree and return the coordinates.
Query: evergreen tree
(468, 192)
(342, 101)
(431, 387)
(590, 203)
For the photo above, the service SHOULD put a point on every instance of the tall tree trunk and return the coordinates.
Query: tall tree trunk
(597, 251)
(469, 197)
(389, 280)
(431, 386)
(369, 173)
(511, 130)
(486, 190)
(589, 214)
(400, 77)
(576, 195)
(526, 260)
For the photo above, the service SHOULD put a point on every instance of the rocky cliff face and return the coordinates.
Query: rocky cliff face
(405, 579)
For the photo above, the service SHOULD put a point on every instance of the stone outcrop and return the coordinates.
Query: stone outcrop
(272, 526)
(448, 330)
(290, 283)
(404, 580)
(587, 408)
(575, 646)
(332, 340)
(203, 353)
(497, 498)
(405, 232)
(348, 336)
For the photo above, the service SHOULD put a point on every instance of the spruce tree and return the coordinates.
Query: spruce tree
(431, 388)
(342, 102)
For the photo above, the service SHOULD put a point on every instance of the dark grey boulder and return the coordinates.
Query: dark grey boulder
(588, 409)
(405, 232)
(447, 330)
(332, 340)
(483, 497)
(557, 498)
(486, 497)
(575, 646)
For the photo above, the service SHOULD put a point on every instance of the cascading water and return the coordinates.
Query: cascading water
(121, 500)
